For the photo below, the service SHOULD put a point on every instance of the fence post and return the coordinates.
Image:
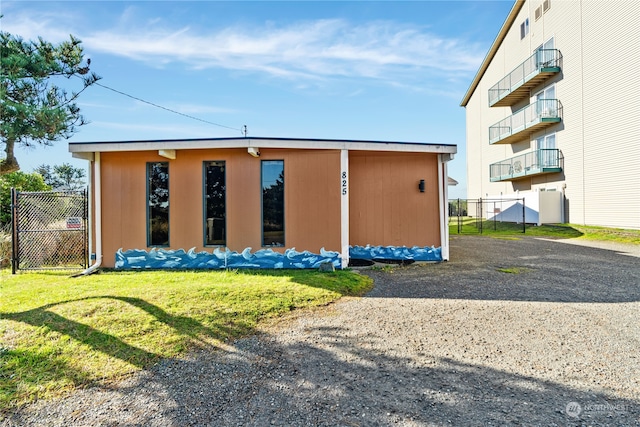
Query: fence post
(459, 219)
(85, 197)
(481, 213)
(524, 220)
(14, 232)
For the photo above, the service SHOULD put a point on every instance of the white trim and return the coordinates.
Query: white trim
(97, 198)
(344, 207)
(445, 213)
(320, 144)
(442, 191)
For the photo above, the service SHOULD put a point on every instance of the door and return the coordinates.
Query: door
(546, 102)
(545, 55)
(546, 148)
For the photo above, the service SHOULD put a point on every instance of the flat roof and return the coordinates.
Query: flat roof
(492, 50)
(260, 142)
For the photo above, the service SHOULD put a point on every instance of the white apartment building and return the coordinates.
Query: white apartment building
(555, 106)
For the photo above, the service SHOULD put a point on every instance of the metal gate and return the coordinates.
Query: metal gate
(50, 230)
(472, 216)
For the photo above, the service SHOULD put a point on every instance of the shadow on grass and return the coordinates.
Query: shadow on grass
(344, 283)
(29, 367)
(33, 367)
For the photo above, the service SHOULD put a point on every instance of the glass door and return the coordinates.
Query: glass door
(545, 54)
(546, 102)
(546, 148)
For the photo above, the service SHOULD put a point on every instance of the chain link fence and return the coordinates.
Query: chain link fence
(49, 230)
(472, 216)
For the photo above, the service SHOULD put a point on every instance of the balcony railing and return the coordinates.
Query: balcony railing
(515, 86)
(540, 114)
(528, 164)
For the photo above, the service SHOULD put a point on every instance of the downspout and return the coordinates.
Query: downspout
(442, 195)
(445, 207)
(96, 195)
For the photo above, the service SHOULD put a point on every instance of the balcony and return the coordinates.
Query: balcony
(525, 165)
(541, 114)
(515, 86)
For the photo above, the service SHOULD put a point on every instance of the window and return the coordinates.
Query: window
(158, 204)
(547, 156)
(524, 28)
(546, 103)
(215, 209)
(272, 203)
(546, 55)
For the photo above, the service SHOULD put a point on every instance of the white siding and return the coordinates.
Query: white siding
(599, 89)
(611, 62)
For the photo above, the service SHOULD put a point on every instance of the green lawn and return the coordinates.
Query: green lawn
(560, 231)
(58, 333)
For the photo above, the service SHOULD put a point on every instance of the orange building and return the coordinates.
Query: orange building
(265, 202)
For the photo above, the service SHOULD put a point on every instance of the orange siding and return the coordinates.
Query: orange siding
(385, 206)
(312, 199)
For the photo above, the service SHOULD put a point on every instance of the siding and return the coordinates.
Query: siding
(385, 206)
(312, 199)
(599, 90)
(611, 113)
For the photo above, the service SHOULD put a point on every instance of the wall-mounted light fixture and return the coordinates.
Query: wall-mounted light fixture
(421, 186)
(254, 151)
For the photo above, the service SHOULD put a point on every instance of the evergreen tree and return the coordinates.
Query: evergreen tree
(63, 177)
(33, 110)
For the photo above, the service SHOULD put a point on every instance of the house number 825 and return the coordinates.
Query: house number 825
(344, 183)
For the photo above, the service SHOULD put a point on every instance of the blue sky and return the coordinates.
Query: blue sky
(387, 70)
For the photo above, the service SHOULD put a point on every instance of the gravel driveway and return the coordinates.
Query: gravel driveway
(526, 332)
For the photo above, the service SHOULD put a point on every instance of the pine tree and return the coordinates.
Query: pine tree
(33, 110)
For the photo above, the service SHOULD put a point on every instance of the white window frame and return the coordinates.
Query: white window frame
(546, 159)
(540, 95)
(544, 57)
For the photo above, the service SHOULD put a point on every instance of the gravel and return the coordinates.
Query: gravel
(509, 332)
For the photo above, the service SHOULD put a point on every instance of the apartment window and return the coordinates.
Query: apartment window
(546, 103)
(158, 204)
(546, 145)
(272, 203)
(546, 55)
(215, 206)
(524, 28)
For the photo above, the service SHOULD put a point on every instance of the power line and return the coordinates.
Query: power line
(164, 108)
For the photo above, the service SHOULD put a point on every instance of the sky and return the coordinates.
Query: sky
(383, 71)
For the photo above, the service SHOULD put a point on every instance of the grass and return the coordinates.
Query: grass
(514, 270)
(507, 230)
(59, 333)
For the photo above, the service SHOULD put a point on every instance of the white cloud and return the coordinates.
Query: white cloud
(305, 50)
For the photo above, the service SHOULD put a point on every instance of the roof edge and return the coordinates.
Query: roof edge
(268, 142)
(492, 50)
